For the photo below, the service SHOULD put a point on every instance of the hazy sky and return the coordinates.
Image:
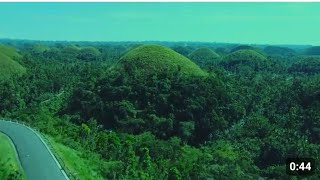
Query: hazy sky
(273, 23)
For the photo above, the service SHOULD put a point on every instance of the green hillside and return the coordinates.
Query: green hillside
(222, 51)
(315, 50)
(89, 54)
(9, 67)
(276, 50)
(9, 51)
(308, 65)
(246, 47)
(204, 56)
(38, 49)
(249, 58)
(184, 50)
(148, 114)
(70, 50)
(154, 59)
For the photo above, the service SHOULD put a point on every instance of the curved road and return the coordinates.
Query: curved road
(36, 159)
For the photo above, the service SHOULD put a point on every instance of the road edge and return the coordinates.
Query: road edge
(44, 143)
(16, 153)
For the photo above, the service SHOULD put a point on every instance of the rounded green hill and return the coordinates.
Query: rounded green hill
(276, 50)
(89, 54)
(38, 49)
(70, 50)
(156, 59)
(246, 57)
(247, 47)
(204, 56)
(9, 67)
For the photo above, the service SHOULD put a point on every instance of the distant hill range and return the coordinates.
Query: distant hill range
(276, 50)
(20, 42)
(315, 50)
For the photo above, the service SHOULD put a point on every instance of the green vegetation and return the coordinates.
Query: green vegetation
(315, 50)
(149, 59)
(183, 50)
(9, 67)
(70, 52)
(9, 51)
(204, 57)
(89, 54)
(147, 112)
(37, 49)
(246, 47)
(77, 164)
(222, 51)
(282, 51)
(307, 65)
(241, 59)
(10, 167)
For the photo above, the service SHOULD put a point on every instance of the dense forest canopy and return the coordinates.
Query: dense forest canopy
(306, 65)
(153, 112)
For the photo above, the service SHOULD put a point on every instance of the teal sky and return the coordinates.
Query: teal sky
(267, 23)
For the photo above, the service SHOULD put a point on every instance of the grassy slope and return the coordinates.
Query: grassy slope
(9, 67)
(155, 58)
(245, 55)
(246, 58)
(9, 163)
(204, 54)
(246, 47)
(76, 166)
(9, 51)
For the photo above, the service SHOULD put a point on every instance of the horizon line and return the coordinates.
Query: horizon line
(174, 41)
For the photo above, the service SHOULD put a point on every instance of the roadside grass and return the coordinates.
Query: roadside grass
(10, 167)
(74, 163)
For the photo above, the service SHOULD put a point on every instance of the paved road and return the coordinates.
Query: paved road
(34, 156)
